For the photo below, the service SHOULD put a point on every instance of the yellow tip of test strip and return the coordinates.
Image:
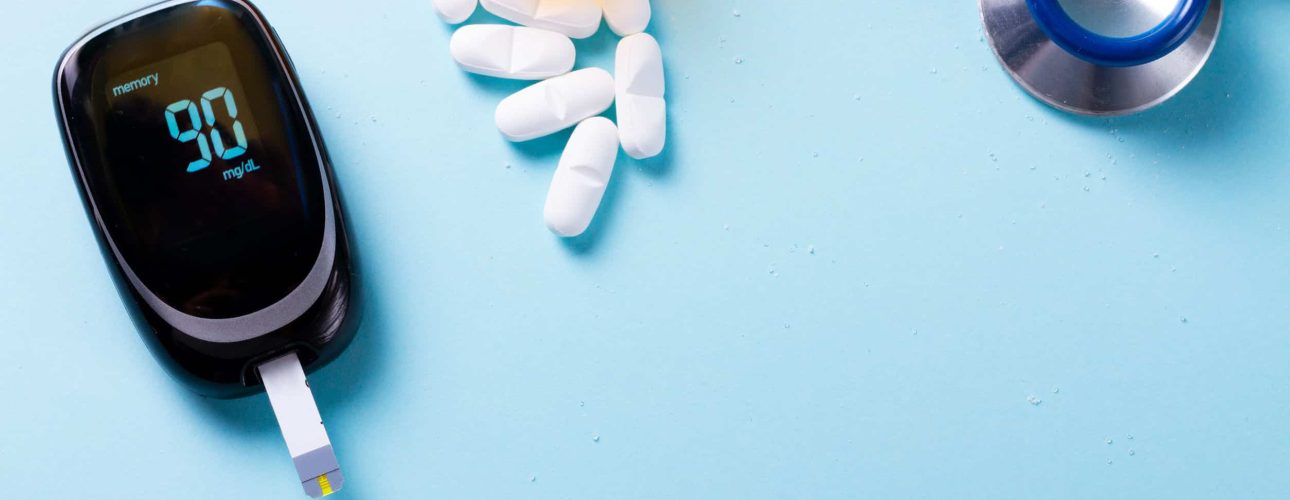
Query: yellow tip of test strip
(302, 428)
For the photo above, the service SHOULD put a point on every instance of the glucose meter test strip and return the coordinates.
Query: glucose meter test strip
(575, 18)
(514, 52)
(642, 110)
(626, 17)
(553, 105)
(455, 11)
(301, 425)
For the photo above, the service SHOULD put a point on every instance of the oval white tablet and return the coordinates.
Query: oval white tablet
(580, 179)
(575, 18)
(512, 52)
(642, 110)
(455, 11)
(626, 17)
(552, 105)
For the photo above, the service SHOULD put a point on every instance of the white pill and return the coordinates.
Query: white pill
(576, 18)
(552, 105)
(642, 110)
(512, 51)
(455, 11)
(581, 177)
(626, 17)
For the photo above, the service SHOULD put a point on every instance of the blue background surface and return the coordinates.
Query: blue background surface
(974, 252)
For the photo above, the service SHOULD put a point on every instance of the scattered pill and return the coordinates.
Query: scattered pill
(642, 110)
(552, 105)
(514, 52)
(581, 177)
(455, 11)
(626, 17)
(541, 49)
(575, 18)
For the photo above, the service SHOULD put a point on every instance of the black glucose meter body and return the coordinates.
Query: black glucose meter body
(206, 181)
(210, 190)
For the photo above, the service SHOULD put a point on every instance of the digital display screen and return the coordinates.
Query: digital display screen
(180, 121)
(201, 166)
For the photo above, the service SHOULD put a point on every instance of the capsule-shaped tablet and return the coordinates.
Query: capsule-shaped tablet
(455, 11)
(552, 105)
(642, 110)
(580, 178)
(626, 17)
(575, 18)
(514, 52)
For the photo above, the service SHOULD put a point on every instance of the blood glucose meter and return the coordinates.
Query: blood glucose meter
(212, 198)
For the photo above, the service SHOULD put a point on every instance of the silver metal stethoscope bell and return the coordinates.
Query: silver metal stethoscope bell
(1102, 57)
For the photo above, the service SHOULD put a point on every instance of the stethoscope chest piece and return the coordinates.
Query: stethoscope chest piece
(1102, 57)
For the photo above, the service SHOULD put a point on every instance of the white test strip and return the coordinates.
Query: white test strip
(575, 18)
(553, 105)
(626, 17)
(515, 52)
(302, 427)
(642, 109)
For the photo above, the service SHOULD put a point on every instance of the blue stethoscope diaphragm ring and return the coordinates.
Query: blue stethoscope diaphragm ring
(1061, 62)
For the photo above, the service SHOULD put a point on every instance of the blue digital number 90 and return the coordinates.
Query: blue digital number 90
(195, 132)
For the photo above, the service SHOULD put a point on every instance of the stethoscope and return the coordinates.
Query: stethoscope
(1102, 57)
